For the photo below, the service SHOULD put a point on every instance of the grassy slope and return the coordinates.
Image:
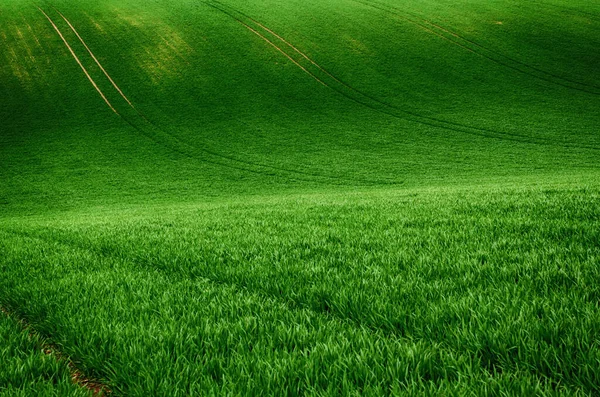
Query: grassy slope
(434, 201)
(233, 114)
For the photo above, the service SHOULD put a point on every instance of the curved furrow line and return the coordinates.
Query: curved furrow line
(116, 87)
(294, 174)
(591, 15)
(87, 74)
(189, 150)
(371, 102)
(282, 52)
(94, 84)
(428, 25)
(184, 150)
(341, 92)
(402, 14)
(549, 74)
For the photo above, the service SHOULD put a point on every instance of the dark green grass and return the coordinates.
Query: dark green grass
(305, 197)
(222, 111)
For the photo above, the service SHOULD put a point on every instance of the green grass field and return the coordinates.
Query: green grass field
(332, 197)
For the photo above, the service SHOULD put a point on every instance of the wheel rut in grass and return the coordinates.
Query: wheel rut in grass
(571, 11)
(320, 74)
(174, 144)
(116, 87)
(137, 120)
(79, 378)
(85, 71)
(483, 51)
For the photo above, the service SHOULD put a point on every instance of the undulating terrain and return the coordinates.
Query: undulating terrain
(316, 197)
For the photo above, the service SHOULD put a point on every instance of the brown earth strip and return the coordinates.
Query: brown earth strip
(97, 388)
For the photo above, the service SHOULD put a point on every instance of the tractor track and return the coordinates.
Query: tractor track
(483, 51)
(153, 132)
(371, 102)
(95, 59)
(191, 151)
(526, 65)
(79, 62)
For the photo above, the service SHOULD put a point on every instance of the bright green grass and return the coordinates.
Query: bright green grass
(303, 197)
(26, 370)
(452, 291)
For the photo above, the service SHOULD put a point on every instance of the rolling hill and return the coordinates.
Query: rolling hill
(302, 197)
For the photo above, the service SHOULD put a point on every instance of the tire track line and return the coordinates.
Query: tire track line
(187, 150)
(390, 109)
(295, 49)
(95, 59)
(526, 65)
(307, 58)
(399, 13)
(409, 112)
(281, 39)
(295, 174)
(207, 151)
(265, 39)
(137, 128)
(190, 151)
(341, 82)
(284, 53)
(79, 62)
(331, 75)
